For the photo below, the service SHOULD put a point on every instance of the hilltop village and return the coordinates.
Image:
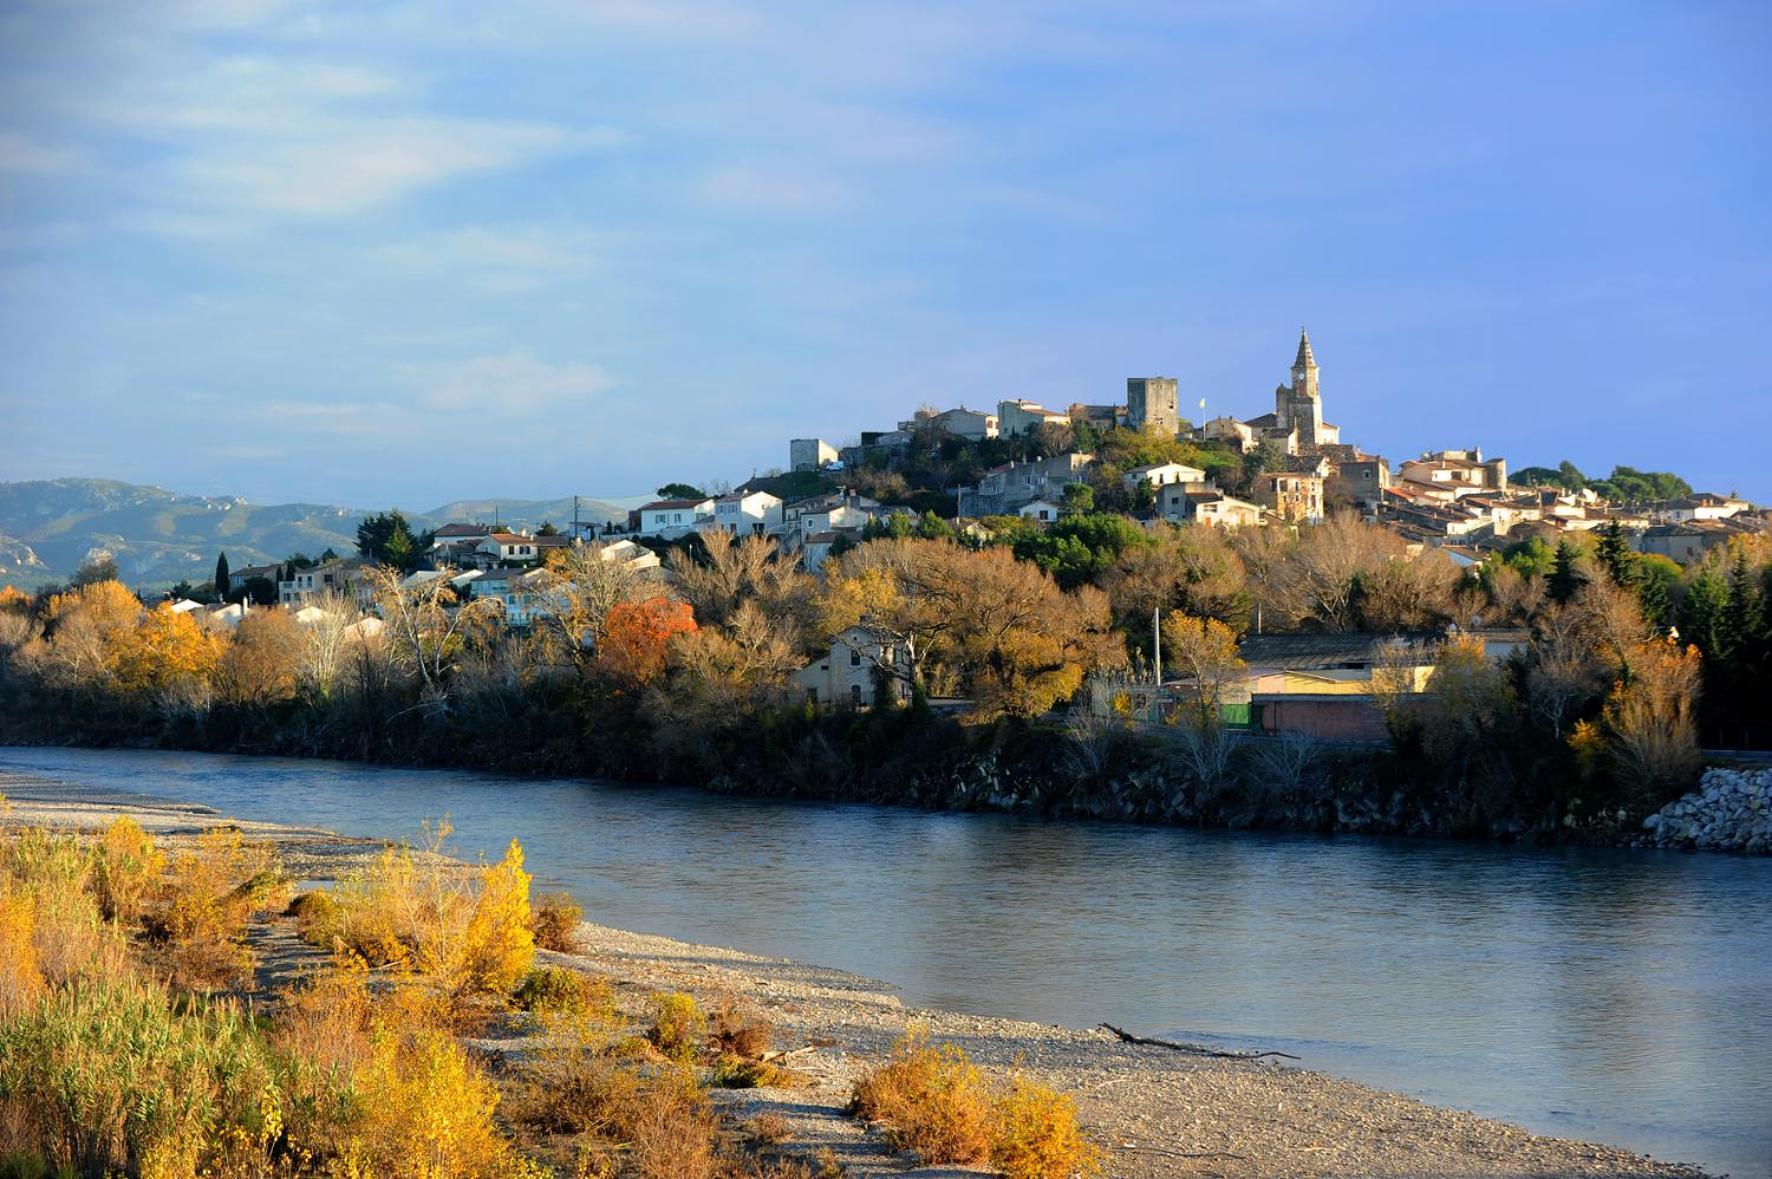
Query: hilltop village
(1515, 641)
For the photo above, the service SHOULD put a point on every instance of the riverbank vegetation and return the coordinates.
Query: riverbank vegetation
(154, 1025)
(984, 658)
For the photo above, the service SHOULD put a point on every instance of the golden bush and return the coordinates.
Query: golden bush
(497, 947)
(555, 922)
(21, 979)
(931, 1100)
(127, 869)
(426, 1112)
(1037, 1135)
(677, 1024)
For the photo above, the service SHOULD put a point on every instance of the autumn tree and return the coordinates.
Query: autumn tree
(585, 584)
(1202, 651)
(167, 657)
(263, 663)
(732, 572)
(637, 637)
(1651, 724)
(1313, 583)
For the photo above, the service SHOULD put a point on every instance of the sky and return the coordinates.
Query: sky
(401, 253)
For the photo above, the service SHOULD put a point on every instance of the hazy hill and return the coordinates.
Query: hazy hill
(158, 537)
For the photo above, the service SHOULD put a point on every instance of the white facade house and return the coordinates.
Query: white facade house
(674, 517)
(1195, 503)
(331, 577)
(810, 454)
(1162, 474)
(825, 513)
(815, 550)
(626, 552)
(508, 547)
(1043, 510)
(745, 513)
(857, 672)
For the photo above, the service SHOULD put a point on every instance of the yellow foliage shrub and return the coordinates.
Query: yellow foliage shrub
(1037, 1136)
(498, 948)
(21, 979)
(426, 1112)
(127, 868)
(468, 933)
(207, 899)
(932, 1100)
(677, 1023)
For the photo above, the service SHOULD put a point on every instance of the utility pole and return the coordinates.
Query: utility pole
(1157, 644)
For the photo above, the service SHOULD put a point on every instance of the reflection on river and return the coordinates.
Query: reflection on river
(1624, 997)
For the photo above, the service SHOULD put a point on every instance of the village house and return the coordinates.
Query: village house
(1293, 496)
(237, 578)
(1042, 510)
(521, 593)
(508, 548)
(1453, 473)
(1160, 474)
(1099, 417)
(970, 424)
(1202, 503)
(671, 518)
(857, 672)
(837, 511)
(1020, 416)
(454, 533)
(1003, 490)
(816, 548)
(1699, 506)
(345, 577)
(748, 513)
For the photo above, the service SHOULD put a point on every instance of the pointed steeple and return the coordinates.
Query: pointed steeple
(1305, 359)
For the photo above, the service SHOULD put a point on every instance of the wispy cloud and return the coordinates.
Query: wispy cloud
(19, 153)
(497, 259)
(515, 382)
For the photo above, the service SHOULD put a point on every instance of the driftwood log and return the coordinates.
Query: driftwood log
(1192, 1049)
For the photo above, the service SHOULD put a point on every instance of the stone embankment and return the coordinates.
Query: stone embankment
(1730, 811)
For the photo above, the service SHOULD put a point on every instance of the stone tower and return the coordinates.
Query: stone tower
(1154, 403)
(1301, 405)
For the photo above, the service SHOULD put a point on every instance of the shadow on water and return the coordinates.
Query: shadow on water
(1620, 996)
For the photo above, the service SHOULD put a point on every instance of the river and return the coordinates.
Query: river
(1623, 997)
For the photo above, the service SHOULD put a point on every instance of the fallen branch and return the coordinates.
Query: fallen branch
(772, 1057)
(1192, 1049)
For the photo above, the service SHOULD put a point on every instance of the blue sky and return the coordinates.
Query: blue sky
(401, 253)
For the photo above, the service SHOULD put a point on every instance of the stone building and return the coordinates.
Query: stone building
(1154, 403)
(810, 454)
(1291, 495)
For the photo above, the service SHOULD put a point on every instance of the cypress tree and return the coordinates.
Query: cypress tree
(1615, 555)
(221, 576)
(1565, 578)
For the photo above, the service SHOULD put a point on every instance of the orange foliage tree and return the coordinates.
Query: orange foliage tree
(637, 637)
(166, 654)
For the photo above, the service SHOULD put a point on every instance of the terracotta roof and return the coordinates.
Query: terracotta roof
(451, 531)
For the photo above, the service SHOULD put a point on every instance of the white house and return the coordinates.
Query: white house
(185, 606)
(330, 577)
(451, 534)
(674, 517)
(1204, 504)
(857, 672)
(509, 547)
(626, 552)
(825, 513)
(744, 513)
(1160, 474)
(1043, 510)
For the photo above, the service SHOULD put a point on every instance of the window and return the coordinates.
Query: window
(855, 659)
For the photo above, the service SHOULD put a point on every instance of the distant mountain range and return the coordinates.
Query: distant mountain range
(158, 537)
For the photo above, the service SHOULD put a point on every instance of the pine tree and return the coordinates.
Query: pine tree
(1742, 609)
(221, 576)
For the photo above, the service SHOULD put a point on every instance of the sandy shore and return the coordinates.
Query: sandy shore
(1159, 1113)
